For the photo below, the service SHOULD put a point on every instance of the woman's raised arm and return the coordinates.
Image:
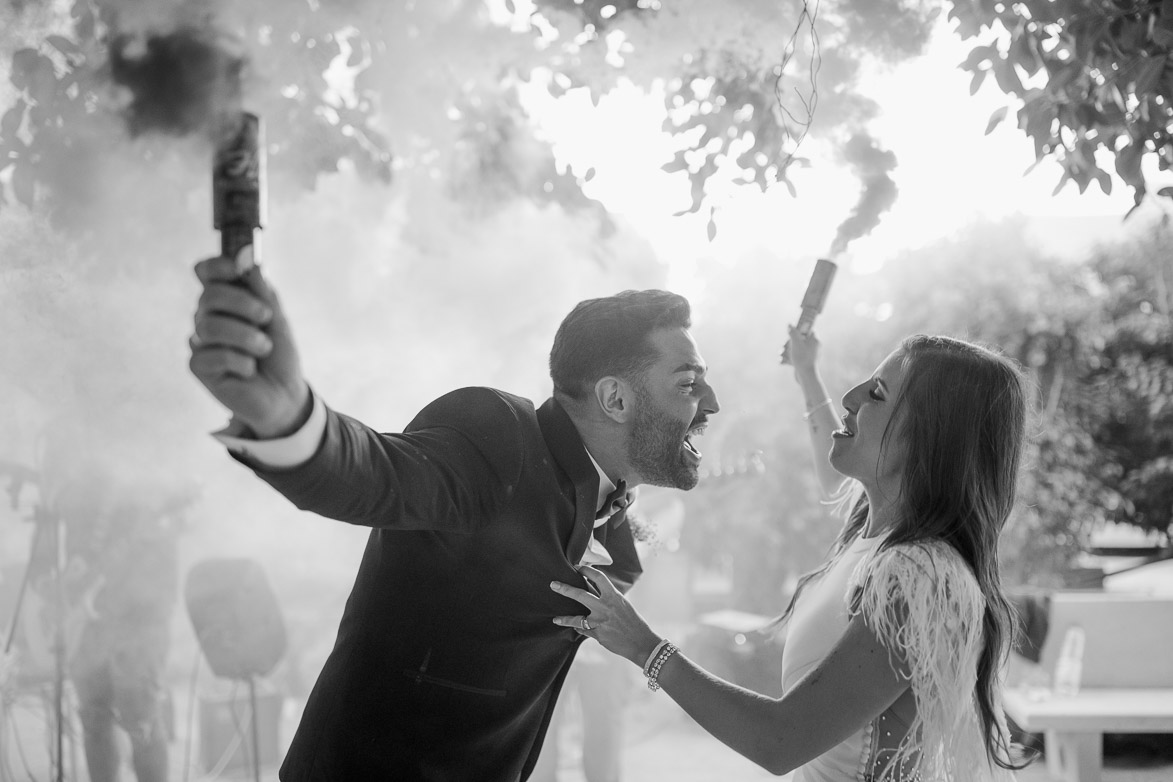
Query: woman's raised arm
(821, 410)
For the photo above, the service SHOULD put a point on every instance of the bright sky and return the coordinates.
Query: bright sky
(949, 173)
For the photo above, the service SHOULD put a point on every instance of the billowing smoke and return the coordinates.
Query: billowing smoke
(178, 81)
(398, 293)
(873, 166)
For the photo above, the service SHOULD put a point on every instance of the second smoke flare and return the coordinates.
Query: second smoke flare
(814, 299)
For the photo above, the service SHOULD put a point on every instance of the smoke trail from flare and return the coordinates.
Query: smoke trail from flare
(873, 166)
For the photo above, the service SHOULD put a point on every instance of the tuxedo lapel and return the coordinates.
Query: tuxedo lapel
(566, 446)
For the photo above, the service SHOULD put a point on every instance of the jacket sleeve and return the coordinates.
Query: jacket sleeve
(456, 462)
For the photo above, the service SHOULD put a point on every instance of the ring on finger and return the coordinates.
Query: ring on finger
(586, 625)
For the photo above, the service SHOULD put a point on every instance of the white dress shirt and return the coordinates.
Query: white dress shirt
(596, 553)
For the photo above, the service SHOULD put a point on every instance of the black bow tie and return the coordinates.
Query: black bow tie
(615, 502)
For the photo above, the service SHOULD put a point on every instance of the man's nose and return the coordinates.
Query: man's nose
(709, 404)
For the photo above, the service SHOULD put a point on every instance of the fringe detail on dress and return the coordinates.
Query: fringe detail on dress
(925, 605)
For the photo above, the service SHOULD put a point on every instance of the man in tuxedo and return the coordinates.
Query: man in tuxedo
(447, 663)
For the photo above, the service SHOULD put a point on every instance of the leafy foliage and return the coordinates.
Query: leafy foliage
(73, 98)
(1095, 79)
(1127, 401)
(742, 84)
(1101, 454)
(436, 85)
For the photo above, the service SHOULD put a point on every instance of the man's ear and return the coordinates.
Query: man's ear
(614, 397)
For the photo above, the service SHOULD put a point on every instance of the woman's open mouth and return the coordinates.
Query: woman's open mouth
(843, 431)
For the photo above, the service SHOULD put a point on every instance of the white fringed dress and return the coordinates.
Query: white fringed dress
(941, 638)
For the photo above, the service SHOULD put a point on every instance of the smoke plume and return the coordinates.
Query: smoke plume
(179, 81)
(873, 166)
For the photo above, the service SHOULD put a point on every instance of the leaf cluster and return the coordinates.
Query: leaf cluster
(741, 82)
(1095, 78)
(74, 102)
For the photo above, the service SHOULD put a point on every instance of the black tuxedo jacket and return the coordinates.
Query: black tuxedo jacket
(447, 664)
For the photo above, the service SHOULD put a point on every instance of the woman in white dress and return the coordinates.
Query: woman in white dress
(895, 645)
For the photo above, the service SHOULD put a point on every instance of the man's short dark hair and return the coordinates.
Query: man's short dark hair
(610, 336)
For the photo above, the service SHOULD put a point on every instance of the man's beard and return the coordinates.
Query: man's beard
(656, 445)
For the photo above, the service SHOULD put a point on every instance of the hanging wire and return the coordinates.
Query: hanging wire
(805, 117)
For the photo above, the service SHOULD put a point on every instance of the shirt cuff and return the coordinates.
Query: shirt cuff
(282, 452)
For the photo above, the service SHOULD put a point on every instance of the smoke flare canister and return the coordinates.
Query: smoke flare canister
(813, 301)
(816, 294)
(238, 188)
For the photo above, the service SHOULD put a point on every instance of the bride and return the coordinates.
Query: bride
(896, 642)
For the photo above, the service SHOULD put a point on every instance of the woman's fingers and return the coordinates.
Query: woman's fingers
(599, 579)
(574, 593)
(580, 623)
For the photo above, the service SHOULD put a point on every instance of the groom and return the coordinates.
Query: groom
(447, 665)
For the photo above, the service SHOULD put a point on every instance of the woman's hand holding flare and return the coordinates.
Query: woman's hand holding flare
(610, 619)
(803, 350)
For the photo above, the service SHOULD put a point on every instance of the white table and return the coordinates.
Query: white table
(1073, 727)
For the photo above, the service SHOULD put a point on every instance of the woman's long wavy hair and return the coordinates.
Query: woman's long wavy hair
(962, 416)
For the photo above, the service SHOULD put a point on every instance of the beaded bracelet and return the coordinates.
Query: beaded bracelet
(825, 403)
(653, 672)
(652, 657)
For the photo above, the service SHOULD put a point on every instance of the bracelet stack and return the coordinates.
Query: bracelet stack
(655, 653)
(656, 659)
(812, 410)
